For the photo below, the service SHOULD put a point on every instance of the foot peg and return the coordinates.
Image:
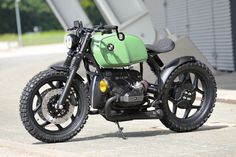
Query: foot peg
(120, 129)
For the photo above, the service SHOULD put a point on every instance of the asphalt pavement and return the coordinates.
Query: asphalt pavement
(99, 138)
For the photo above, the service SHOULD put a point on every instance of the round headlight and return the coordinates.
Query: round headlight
(71, 41)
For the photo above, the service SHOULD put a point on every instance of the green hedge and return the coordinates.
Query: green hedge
(38, 13)
(33, 13)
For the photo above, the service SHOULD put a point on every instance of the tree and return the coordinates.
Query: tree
(38, 13)
(92, 11)
(33, 13)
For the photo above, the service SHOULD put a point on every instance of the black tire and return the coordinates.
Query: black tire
(174, 97)
(28, 116)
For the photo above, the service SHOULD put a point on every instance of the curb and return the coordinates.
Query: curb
(228, 101)
(223, 100)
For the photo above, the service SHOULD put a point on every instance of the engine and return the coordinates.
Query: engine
(125, 83)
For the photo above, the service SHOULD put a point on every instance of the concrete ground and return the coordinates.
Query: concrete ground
(99, 138)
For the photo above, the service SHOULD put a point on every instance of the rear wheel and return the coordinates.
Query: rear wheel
(189, 97)
(37, 107)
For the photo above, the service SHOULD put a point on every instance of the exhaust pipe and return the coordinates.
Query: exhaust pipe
(156, 114)
(108, 106)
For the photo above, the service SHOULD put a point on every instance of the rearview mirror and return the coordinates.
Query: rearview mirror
(77, 24)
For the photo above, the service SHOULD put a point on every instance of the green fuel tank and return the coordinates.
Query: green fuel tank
(110, 52)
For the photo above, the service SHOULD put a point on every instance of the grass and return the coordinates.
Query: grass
(41, 38)
(8, 37)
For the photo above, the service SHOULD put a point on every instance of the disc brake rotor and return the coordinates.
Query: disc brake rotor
(53, 115)
(40, 113)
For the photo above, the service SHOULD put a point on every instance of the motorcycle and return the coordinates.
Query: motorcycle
(55, 103)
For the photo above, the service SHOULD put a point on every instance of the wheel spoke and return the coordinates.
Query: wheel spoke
(195, 107)
(59, 84)
(45, 124)
(186, 113)
(175, 108)
(181, 78)
(72, 117)
(59, 126)
(39, 97)
(39, 103)
(200, 91)
(37, 108)
(184, 77)
(151, 97)
(52, 85)
(172, 100)
(195, 82)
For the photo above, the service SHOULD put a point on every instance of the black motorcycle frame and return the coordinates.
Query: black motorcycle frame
(83, 53)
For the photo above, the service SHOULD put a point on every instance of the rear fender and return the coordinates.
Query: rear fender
(169, 68)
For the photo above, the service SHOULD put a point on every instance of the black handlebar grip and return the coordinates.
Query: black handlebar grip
(71, 29)
(110, 27)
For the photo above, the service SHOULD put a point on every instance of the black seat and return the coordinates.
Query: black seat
(161, 46)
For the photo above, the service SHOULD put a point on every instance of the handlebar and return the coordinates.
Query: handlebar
(71, 29)
(104, 29)
(110, 27)
(107, 29)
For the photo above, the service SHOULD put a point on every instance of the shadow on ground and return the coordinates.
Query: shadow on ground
(140, 134)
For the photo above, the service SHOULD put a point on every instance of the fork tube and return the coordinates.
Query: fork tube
(69, 82)
(74, 69)
(69, 58)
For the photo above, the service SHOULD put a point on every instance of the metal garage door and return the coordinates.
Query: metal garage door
(177, 19)
(223, 34)
(201, 27)
(207, 22)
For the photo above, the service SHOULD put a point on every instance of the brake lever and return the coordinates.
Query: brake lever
(106, 32)
(72, 28)
(111, 27)
(98, 28)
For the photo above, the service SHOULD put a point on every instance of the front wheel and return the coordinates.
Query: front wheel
(189, 97)
(38, 112)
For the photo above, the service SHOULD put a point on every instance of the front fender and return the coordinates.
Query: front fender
(64, 69)
(169, 68)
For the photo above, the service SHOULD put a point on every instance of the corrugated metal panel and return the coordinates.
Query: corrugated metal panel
(210, 29)
(207, 22)
(201, 27)
(158, 14)
(223, 34)
(177, 20)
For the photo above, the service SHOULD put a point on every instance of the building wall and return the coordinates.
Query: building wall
(207, 22)
(233, 24)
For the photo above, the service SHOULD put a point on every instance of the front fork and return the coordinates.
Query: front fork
(74, 69)
(66, 89)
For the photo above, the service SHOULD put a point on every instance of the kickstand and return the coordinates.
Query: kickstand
(120, 129)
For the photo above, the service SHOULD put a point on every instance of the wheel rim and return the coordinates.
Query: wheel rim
(186, 87)
(36, 107)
